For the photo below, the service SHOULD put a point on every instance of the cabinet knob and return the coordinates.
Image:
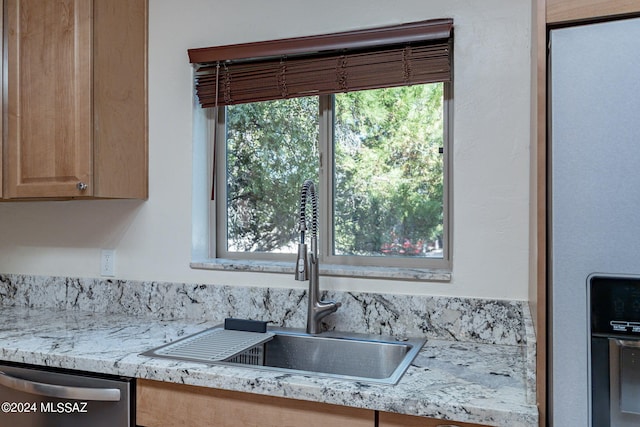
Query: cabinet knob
(81, 186)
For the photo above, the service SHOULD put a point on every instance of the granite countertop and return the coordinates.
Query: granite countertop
(461, 381)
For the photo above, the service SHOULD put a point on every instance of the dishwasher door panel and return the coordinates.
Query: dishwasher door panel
(37, 398)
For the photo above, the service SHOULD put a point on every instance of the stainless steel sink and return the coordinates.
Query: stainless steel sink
(347, 356)
(338, 355)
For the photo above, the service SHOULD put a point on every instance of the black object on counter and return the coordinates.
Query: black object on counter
(245, 325)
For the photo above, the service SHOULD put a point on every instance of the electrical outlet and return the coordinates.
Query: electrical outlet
(107, 262)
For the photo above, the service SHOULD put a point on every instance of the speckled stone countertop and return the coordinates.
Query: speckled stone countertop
(477, 381)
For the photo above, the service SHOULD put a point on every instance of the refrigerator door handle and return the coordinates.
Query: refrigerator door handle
(59, 391)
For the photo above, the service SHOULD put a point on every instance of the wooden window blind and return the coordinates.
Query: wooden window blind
(400, 55)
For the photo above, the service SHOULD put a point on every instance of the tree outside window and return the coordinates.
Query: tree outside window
(385, 198)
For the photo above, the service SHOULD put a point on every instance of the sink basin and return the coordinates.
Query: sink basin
(356, 357)
(338, 355)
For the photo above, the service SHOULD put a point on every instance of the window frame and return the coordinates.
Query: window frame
(218, 222)
(207, 62)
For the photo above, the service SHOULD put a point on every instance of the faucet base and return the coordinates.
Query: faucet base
(318, 310)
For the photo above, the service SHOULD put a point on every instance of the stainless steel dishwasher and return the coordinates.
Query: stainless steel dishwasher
(32, 397)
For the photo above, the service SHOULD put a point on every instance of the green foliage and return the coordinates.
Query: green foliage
(271, 150)
(388, 170)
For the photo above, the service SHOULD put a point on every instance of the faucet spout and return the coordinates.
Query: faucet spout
(307, 264)
(317, 309)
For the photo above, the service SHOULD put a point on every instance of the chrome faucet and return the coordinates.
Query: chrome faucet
(307, 265)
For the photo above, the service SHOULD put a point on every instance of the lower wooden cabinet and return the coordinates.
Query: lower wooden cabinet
(386, 419)
(175, 405)
(161, 404)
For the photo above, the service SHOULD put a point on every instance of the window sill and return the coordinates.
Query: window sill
(391, 273)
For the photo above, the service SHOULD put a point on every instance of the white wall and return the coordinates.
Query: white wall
(153, 238)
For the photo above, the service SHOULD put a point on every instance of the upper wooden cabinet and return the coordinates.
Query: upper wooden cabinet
(558, 11)
(76, 99)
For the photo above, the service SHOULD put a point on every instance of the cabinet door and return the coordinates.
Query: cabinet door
(387, 419)
(49, 99)
(120, 167)
(176, 405)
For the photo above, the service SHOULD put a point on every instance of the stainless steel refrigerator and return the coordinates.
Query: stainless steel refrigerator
(594, 224)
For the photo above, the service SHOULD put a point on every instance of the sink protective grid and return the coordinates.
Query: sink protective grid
(212, 345)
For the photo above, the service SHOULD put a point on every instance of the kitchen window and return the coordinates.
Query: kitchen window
(377, 150)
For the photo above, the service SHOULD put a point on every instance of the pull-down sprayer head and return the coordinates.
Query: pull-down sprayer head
(302, 265)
